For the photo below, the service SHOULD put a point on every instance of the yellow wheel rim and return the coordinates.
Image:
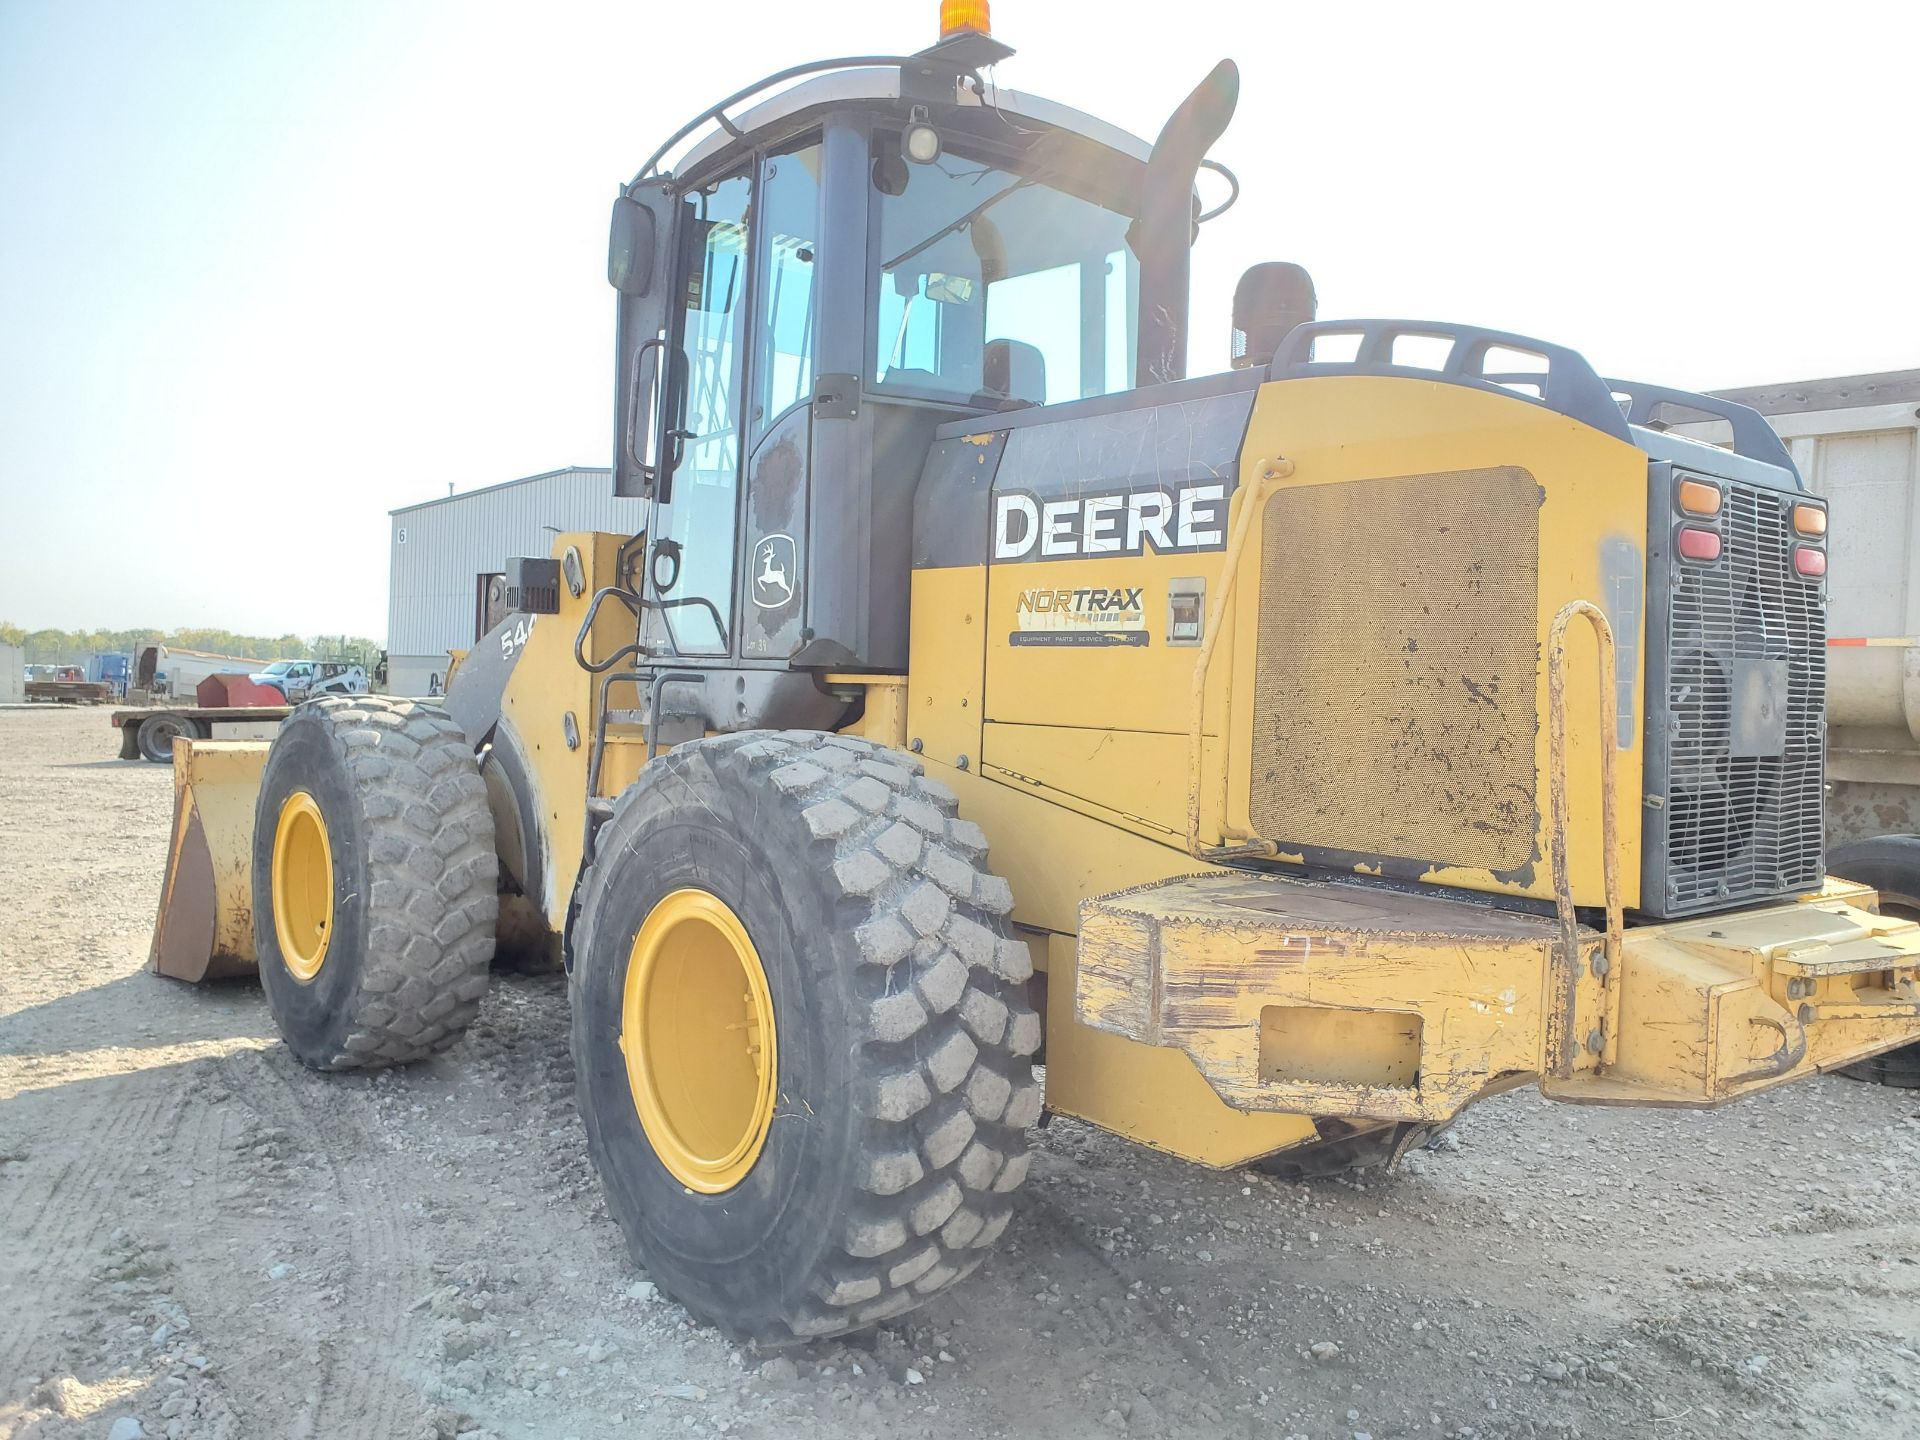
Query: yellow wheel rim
(696, 1027)
(302, 886)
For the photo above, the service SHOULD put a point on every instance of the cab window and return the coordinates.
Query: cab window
(998, 289)
(789, 225)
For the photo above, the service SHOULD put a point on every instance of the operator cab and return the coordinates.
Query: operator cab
(816, 286)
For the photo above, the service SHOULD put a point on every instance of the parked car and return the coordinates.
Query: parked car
(302, 679)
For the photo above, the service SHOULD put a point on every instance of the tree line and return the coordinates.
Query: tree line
(72, 647)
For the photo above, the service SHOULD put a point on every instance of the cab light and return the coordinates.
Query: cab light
(1696, 543)
(1810, 519)
(1809, 561)
(1697, 497)
(957, 17)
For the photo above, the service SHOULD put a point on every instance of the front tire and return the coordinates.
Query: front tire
(894, 1017)
(373, 882)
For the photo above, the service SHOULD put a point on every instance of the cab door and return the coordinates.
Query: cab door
(726, 571)
(773, 590)
(692, 536)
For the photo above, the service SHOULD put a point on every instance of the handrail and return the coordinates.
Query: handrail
(1252, 499)
(717, 112)
(1558, 805)
(1753, 436)
(1568, 385)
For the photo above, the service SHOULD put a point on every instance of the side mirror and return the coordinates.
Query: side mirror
(630, 247)
(649, 229)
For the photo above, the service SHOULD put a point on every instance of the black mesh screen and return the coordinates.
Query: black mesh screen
(1740, 825)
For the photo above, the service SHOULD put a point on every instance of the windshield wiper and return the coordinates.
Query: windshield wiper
(960, 224)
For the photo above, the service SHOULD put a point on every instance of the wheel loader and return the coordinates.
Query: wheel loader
(1270, 763)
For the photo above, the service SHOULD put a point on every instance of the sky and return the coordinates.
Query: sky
(268, 271)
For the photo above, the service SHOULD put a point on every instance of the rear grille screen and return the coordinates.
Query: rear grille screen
(1396, 675)
(1739, 812)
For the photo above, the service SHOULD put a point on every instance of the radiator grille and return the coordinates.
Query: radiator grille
(1741, 825)
(1397, 669)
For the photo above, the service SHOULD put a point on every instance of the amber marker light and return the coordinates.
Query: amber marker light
(1697, 497)
(1809, 561)
(959, 17)
(1694, 542)
(1810, 519)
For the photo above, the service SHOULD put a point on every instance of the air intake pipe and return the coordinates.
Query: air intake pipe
(1162, 238)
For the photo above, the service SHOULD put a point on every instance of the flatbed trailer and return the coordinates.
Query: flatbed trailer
(69, 692)
(149, 733)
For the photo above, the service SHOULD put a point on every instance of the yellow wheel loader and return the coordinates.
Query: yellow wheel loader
(1283, 758)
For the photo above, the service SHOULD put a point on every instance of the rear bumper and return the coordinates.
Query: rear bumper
(1325, 998)
(1716, 1008)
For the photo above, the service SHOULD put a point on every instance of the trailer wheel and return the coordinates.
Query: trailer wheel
(373, 882)
(158, 732)
(1891, 864)
(801, 1033)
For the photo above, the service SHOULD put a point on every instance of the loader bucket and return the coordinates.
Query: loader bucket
(205, 926)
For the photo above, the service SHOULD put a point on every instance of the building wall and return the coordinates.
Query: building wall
(439, 548)
(413, 674)
(13, 675)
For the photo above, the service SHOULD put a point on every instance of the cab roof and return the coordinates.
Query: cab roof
(881, 84)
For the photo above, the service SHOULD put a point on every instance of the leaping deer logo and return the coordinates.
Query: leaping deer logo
(772, 584)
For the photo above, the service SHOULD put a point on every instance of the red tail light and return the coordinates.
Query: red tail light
(1696, 543)
(1809, 562)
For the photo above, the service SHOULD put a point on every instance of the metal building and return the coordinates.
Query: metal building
(13, 675)
(446, 552)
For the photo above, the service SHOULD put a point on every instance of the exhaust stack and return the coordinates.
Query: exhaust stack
(1162, 238)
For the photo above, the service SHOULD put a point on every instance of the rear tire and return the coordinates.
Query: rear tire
(1891, 864)
(901, 1035)
(394, 795)
(158, 732)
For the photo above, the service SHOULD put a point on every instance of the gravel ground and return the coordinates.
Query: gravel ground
(198, 1238)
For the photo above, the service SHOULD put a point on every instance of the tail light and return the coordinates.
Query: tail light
(1810, 519)
(1696, 542)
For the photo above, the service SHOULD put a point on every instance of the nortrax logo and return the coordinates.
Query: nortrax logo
(1093, 601)
(1124, 522)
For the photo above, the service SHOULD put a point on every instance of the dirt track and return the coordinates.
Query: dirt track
(197, 1232)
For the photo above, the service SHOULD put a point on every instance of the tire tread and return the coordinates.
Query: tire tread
(946, 1016)
(430, 915)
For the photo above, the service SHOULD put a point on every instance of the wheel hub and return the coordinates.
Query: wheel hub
(302, 886)
(697, 1032)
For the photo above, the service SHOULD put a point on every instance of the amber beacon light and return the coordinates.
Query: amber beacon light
(962, 17)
